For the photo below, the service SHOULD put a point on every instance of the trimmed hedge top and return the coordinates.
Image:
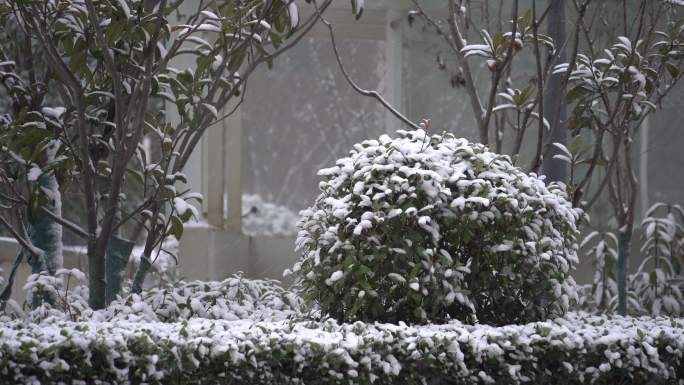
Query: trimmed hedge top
(573, 350)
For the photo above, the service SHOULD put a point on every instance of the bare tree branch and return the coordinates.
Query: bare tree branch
(74, 228)
(369, 93)
(23, 240)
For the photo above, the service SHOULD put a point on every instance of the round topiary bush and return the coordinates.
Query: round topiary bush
(429, 228)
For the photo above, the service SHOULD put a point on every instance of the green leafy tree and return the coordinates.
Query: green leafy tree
(614, 76)
(87, 81)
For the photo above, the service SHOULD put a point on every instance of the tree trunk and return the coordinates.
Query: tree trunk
(146, 257)
(141, 273)
(44, 232)
(118, 253)
(624, 243)
(554, 107)
(7, 290)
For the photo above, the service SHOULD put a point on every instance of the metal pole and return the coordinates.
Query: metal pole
(555, 169)
(621, 272)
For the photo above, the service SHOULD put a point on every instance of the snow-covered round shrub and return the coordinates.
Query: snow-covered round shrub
(426, 228)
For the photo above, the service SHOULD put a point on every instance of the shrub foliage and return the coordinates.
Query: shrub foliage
(430, 227)
(232, 299)
(657, 286)
(573, 350)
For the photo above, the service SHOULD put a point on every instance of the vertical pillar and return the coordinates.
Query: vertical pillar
(233, 169)
(193, 171)
(554, 109)
(393, 67)
(214, 170)
(643, 166)
(623, 255)
(194, 167)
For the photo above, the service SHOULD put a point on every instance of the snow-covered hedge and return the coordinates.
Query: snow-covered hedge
(431, 227)
(234, 298)
(572, 350)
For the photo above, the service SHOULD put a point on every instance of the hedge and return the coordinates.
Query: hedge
(234, 298)
(576, 349)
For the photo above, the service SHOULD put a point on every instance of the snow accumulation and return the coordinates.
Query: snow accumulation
(260, 217)
(164, 261)
(234, 298)
(265, 218)
(255, 332)
(400, 212)
(578, 349)
(34, 173)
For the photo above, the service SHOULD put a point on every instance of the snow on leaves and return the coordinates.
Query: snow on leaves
(399, 213)
(656, 287)
(235, 298)
(576, 349)
(261, 217)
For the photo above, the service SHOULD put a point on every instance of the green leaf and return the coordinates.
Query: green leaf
(203, 62)
(185, 78)
(32, 136)
(396, 278)
(167, 144)
(276, 39)
(357, 9)
(525, 20)
(186, 216)
(361, 270)
(498, 40)
(176, 227)
(168, 192)
(672, 69)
